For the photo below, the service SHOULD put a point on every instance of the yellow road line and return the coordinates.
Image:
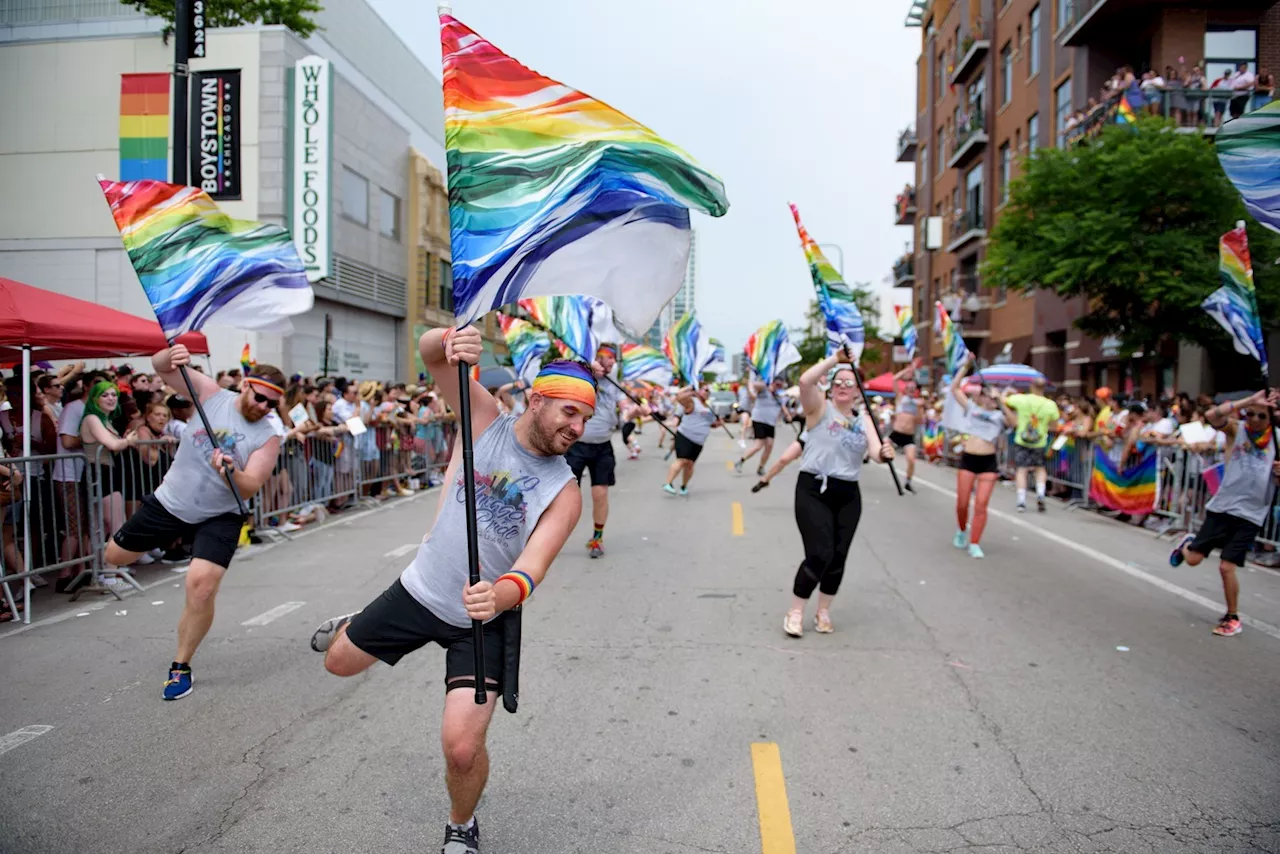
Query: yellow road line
(776, 836)
(728, 465)
(737, 519)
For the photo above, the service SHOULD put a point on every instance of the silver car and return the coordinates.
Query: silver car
(721, 403)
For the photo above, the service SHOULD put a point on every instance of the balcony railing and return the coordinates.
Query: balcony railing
(972, 52)
(904, 207)
(968, 139)
(966, 226)
(904, 270)
(907, 146)
(1192, 109)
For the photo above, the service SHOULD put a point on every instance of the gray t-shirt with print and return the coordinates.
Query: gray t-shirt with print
(514, 487)
(767, 408)
(696, 426)
(192, 489)
(1247, 486)
(604, 419)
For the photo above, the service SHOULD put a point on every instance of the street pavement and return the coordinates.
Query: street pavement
(1063, 695)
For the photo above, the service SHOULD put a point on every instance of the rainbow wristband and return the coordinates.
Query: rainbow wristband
(521, 580)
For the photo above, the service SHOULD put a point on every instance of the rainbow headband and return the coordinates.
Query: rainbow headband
(567, 381)
(264, 383)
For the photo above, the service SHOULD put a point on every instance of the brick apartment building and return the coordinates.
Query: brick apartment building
(998, 79)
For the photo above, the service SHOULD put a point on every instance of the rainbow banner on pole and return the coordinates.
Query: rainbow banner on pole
(835, 298)
(907, 323)
(199, 266)
(642, 363)
(688, 348)
(571, 320)
(1235, 304)
(553, 192)
(1131, 491)
(769, 350)
(952, 342)
(144, 127)
(527, 344)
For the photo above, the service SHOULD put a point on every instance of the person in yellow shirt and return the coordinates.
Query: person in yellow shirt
(1037, 416)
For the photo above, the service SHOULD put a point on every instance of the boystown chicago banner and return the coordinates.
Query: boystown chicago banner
(215, 133)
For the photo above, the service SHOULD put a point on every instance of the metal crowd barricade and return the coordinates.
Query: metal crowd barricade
(310, 474)
(1071, 467)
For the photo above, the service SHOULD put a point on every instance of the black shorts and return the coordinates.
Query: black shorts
(595, 458)
(1028, 458)
(154, 527)
(901, 440)
(686, 448)
(761, 431)
(1231, 534)
(979, 463)
(395, 624)
(627, 430)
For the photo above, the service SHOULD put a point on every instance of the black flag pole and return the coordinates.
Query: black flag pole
(875, 424)
(473, 531)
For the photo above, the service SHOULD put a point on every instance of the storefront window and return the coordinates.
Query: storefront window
(355, 197)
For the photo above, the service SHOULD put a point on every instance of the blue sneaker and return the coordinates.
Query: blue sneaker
(669, 489)
(1176, 557)
(975, 551)
(960, 540)
(684, 490)
(179, 683)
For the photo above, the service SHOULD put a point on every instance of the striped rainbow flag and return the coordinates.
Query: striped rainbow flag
(527, 344)
(1130, 491)
(907, 323)
(1235, 304)
(144, 127)
(642, 363)
(952, 342)
(835, 298)
(553, 192)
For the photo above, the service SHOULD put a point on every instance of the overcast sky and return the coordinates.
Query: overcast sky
(797, 101)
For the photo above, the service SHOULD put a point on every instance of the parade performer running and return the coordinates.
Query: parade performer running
(828, 498)
(1239, 509)
(594, 451)
(743, 405)
(695, 426)
(194, 500)
(789, 456)
(764, 417)
(906, 417)
(527, 506)
(984, 424)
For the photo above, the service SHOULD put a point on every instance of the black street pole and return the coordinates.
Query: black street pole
(181, 50)
(473, 529)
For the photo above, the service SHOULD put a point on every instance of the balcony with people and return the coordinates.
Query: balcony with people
(907, 146)
(965, 304)
(968, 226)
(904, 207)
(904, 271)
(972, 52)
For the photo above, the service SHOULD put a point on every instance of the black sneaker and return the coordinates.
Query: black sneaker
(908, 487)
(759, 486)
(462, 841)
(1040, 505)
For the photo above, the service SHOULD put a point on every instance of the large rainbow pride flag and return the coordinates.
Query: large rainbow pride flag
(907, 323)
(688, 348)
(527, 345)
(1249, 150)
(199, 266)
(835, 298)
(1131, 491)
(770, 351)
(952, 342)
(1235, 304)
(642, 363)
(553, 192)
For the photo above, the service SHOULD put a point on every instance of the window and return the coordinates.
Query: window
(355, 197)
(1033, 50)
(1062, 109)
(424, 276)
(937, 151)
(446, 285)
(923, 180)
(1004, 173)
(973, 196)
(1226, 48)
(1033, 132)
(1064, 13)
(1006, 73)
(937, 75)
(388, 214)
(1017, 140)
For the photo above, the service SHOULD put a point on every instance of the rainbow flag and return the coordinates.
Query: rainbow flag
(641, 363)
(144, 127)
(1130, 491)
(1213, 477)
(1235, 304)
(907, 323)
(835, 298)
(932, 431)
(1249, 150)
(579, 324)
(769, 350)
(952, 342)
(553, 192)
(688, 348)
(198, 266)
(527, 344)
(246, 359)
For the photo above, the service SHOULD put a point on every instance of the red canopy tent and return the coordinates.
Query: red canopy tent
(882, 384)
(56, 326)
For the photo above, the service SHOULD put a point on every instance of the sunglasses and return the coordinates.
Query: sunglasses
(1258, 415)
(262, 398)
(844, 383)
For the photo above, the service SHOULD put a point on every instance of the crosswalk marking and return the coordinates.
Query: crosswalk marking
(275, 613)
(19, 737)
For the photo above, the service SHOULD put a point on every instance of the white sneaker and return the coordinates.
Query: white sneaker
(793, 623)
(144, 559)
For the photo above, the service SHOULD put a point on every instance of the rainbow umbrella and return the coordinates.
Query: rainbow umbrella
(1014, 375)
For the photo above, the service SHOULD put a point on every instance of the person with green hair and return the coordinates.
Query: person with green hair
(100, 442)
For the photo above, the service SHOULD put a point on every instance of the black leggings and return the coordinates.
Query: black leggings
(627, 429)
(827, 522)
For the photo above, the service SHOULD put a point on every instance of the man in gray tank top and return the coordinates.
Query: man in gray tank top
(194, 500)
(527, 504)
(1239, 509)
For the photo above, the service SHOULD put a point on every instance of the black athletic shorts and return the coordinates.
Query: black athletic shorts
(901, 440)
(154, 527)
(761, 431)
(395, 624)
(1231, 534)
(595, 458)
(686, 448)
(979, 463)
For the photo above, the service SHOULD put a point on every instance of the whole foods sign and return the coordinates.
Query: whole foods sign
(309, 217)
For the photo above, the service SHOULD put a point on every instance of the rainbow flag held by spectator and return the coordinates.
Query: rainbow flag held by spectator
(835, 298)
(688, 348)
(932, 431)
(527, 345)
(907, 323)
(1249, 150)
(770, 351)
(199, 266)
(952, 342)
(1131, 491)
(642, 363)
(1235, 304)
(246, 359)
(553, 192)
(1130, 101)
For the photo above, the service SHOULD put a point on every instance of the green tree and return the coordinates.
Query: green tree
(1130, 221)
(294, 14)
(813, 348)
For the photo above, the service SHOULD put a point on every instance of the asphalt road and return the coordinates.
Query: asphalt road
(1064, 695)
